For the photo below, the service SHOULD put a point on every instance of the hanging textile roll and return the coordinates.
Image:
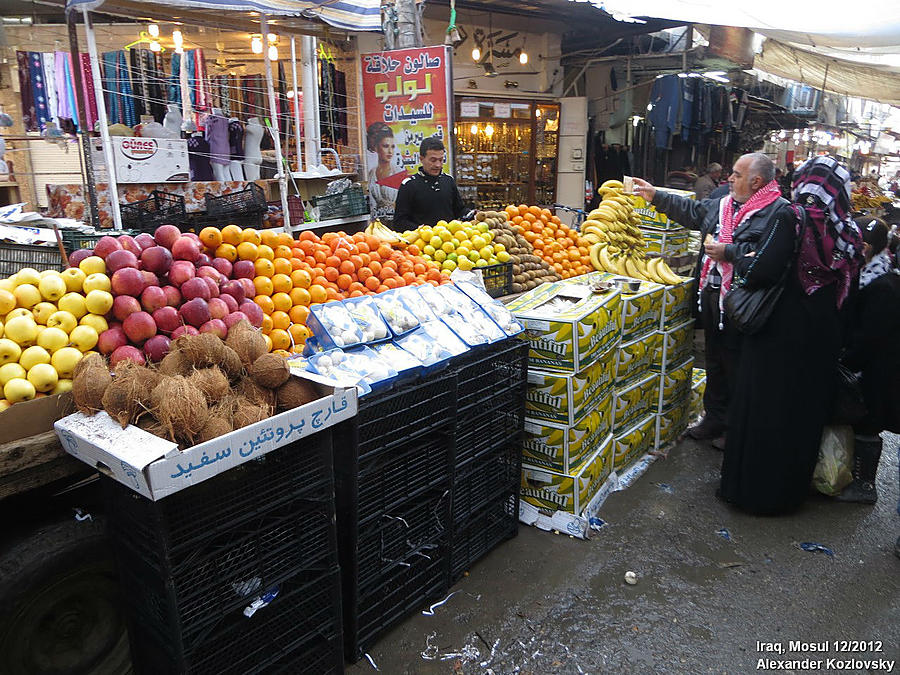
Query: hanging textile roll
(29, 112)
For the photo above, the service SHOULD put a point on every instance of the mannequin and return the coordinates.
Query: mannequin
(236, 147)
(219, 148)
(172, 121)
(155, 130)
(253, 134)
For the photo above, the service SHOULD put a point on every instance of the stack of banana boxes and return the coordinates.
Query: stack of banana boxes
(663, 237)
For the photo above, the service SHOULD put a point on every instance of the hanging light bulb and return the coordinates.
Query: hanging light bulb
(290, 93)
(272, 38)
(523, 57)
(153, 29)
(178, 39)
(256, 45)
(537, 112)
(155, 46)
(489, 130)
(273, 53)
(476, 54)
(473, 129)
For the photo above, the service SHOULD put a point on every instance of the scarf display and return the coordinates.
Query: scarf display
(878, 266)
(728, 223)
(831, 248)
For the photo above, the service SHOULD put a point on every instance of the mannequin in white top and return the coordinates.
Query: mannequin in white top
(219, 149)
(172, 121)
(253, 134)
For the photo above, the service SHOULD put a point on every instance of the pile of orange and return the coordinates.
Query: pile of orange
(561, 247)
(292, 274)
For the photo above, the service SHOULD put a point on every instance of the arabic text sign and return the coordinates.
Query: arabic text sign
(407, 90)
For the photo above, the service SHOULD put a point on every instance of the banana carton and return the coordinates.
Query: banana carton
(698, 388)
(676, 386)
(568, 491)
(634, 359)
(678, 303)
(641, 311)
(665, 242)
(566, 397)
(673, 346)
(670, 423)
(635, 401)
(650, 216)
(568, 326)
(634, 441)
(561, 447)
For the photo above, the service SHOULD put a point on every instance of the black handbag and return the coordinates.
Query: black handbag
(849, 405)
(749, 310)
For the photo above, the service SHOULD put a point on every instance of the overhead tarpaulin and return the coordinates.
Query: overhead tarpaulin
(354, 15)
(843, 77)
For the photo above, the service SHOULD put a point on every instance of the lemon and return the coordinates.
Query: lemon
(43, 376)
(22, 330)
(474, 257)
(64, 320)
(9, 371)
(441, 223)
(65, 361)
(448, 247)
(478, 242)
(9, 351)
(465, 264)
(33, 356)
(498, 248)
(428, 250)
(503, 256)
(481, 263)
(420, 243)
(18, 390)
(445, 235)
(435, 242)
(448, 265)
(486, 253)
(440, 256)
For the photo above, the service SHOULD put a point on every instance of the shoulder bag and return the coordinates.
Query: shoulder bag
(750, 309)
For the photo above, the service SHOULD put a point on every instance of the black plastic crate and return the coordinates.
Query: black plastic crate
(161, 208)
(301, 625)
(494, 471)
(74, 240)
(503, 365)
(243, 219)
(14, 257)
(502, 417)
(350, 202)
(498, 279)
(252, 199)
(495, 523)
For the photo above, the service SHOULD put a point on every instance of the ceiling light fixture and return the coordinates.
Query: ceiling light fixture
(153, 29)
(273, 53)
(256, 45)
(476, 54)
(523, 57)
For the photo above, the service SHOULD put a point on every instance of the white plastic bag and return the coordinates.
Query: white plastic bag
(833, 471)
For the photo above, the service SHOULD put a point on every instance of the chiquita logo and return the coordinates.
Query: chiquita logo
(139, 148)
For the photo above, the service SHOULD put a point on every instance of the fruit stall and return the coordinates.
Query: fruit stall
(299, 442)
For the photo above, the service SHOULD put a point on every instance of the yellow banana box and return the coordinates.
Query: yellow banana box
(676, 386)
(673, 346)
(678, 303)
(634, 359)
(698, 388)
(562, 447)
(633, 442)
(641, 311)
(670, 424)
(650, 216)
(566, 397)
(567, 325)
(568, 491)
(635, 401)
(665, 242)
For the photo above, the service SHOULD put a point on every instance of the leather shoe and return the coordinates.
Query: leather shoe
(719, 443)
(706, 430)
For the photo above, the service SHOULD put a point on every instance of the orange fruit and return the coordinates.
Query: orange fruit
(282, 283)
(264, 267)
(268, 343)
(267, 325)
(284, 239)
(283, 266)
(231, 234)
(332, 273)
(299, 333)
(372, 283)
(282, 251)
(281, 319)
(317, 293)
(299, 296)
(264, 251)
(308, 235)
(301, 279)
(344, 281)
(299, 314)
(247, 251)
(251, 235)
(211, 237)
(263, 285)
(269, 238)
(333, 294)
(227, 251)
(284, 353)
(346, 267)
(265, 303)
(282, 302)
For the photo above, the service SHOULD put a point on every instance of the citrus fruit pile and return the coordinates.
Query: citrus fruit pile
(453, 244)
(559, 246)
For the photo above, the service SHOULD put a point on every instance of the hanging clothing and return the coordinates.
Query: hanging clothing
(217, 136)
(62, 79)
(236, 140)
(198, 157)
(48, 63)
(665, 99)
(688, 93)
(87, 80)
(29, 111)
(38, 89)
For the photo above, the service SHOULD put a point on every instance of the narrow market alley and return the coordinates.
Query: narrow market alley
(711, 583)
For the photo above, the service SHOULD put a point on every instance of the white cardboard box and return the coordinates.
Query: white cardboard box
(146, 160)
(155, 468)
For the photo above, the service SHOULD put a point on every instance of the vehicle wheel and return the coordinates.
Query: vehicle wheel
(60, 598)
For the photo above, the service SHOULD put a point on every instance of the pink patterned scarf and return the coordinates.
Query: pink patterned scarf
(728, 223)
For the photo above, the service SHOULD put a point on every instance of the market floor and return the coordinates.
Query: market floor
(711, 583)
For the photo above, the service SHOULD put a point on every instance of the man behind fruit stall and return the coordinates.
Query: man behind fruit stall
(429, 195)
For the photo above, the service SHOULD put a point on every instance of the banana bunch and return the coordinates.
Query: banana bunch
(614, 221)
(608, 258)
(386, 234)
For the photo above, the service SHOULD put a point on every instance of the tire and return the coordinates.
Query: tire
(60, 598)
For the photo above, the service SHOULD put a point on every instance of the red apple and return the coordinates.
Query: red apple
(128, 281)
(244, 269)
(217, 308)
(153, 298)
(230, 301)
(120, 259)
(184, 330)
(203, 259)
(186, 248)
(235, 289)
(249, 288)
(195, 288)
(124, 306)
(196, 312)
(127, 353)
(111, 339)
(145, 241)
(223, 265)
(166, 319)
(151, 279)
(156, 348)
(253, 311)
(129, 244)
(216, 327)
(77, 256)
(213, 285)
(166, 235)
(173, 296)
(106, 245)
(181, 271)
(156, 259)
(191, 235)
(139, 326)
(234, 318)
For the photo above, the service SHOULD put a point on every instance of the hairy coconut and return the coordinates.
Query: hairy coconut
(248, 342)
(295, 392)
(200, 350)
(89, 384)
(128, 396)
(249, 413)
(214, 427)
(151, 425)
(211, 382)
(180, 407)
(269, 371)
(255, 394)
(231, 364)
(89, 360)
(175, 363)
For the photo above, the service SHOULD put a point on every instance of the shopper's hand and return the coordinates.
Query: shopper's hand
(715, 251)
(644, 189)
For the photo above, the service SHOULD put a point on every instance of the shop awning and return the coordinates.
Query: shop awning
(353, 15)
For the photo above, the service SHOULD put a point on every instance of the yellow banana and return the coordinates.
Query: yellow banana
(592, 222)
(632, 269)
(651, 270)
(603, 257)
(591, 237)
(620, 266)
(593, 252)
(613, 184)
(667, 274)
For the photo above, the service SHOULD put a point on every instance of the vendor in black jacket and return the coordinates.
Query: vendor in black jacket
(722, 340)
(429, 195)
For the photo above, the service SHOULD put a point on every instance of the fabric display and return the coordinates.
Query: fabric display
(198, 157)
(332, 104)
(117, 89)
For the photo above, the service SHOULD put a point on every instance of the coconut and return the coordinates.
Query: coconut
(231, 364)
(201, 350)
(180, 407)
(248, 413)
(269, 371)
(295, 392)
(214, 427)
(128, 396)
(151, 425)
(89, 384)
(175, 363)
(248, 342)
(211, 382)
(90, 360)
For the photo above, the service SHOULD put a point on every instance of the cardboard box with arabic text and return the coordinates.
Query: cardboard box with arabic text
(641, 312)
(561, 447)
(670, 424)
(634, 441)
(665, 242)
(566, 397)
(155, 468)
(698, 389)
